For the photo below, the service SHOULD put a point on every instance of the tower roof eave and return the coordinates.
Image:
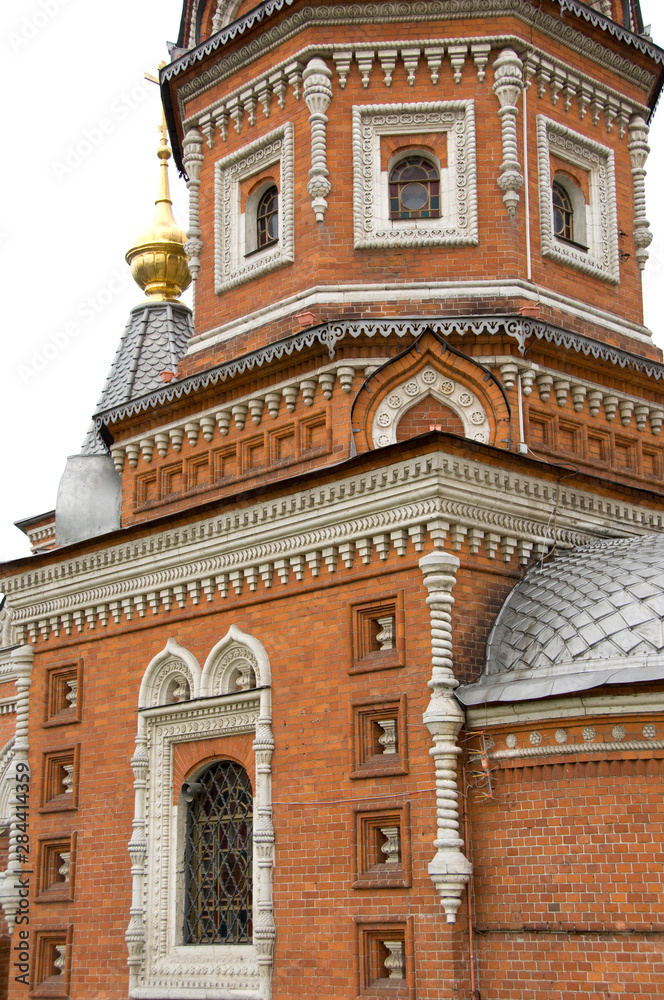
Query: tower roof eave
(267, 8)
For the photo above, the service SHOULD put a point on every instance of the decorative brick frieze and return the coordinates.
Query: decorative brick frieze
(521, 329)
(324, 15)
(438, 494)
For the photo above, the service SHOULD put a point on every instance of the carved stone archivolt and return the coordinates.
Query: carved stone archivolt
(430, 367)
(219, 700)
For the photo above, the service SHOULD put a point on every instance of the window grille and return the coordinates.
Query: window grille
(218, 858)
(414, 189)
(267, 218)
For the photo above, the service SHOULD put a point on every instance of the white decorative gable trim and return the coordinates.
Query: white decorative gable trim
(159, 963)
(601, 258)
(457, 225)
(429, 382)
(235, 262)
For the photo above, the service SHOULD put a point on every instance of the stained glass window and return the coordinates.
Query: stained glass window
(218, 858)
(267, 218)
(414, 189)
(563, 214)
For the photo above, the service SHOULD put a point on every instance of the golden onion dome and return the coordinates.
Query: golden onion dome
(159, 264)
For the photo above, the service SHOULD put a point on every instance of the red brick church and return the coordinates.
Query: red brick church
(338, 670)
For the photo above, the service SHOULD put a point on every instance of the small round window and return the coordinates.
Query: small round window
(267, 218)
(414, 189)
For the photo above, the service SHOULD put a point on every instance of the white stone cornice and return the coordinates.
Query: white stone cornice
(505, 512)
(523, 713)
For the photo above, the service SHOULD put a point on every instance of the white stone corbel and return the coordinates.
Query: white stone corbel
(192, 159)
(317, 96)
(508, 76)
(449, 870)
(638, 147)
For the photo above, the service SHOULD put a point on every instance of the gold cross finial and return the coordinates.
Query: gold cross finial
(162, 127)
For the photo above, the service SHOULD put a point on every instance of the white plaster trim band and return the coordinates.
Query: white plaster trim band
(388, 292)
(232, 268)
(458, 223)
(364, 515)
(601, 259)
(577, 748)
(524, 712)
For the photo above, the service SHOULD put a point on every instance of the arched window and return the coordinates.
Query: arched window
(414, 189)
(218, 857)
(569, 212)
(563, 214)
(267, 218)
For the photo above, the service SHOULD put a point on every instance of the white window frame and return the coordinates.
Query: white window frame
(598, 162)
(233, 266)
(160, 963)
(458, 224)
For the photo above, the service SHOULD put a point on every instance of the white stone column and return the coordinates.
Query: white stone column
(192, 159)
(317, 95)
(638, 150)
(21, 663)
(508, 76)
(449, 869)
(263, 836)
(138, 846)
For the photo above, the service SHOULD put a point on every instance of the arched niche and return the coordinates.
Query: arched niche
(173, 676)
(430, 368)
(232, 661)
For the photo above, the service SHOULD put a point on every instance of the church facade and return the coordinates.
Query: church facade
(338, 670)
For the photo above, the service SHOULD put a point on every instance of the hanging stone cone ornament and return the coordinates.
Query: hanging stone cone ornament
(159, 264)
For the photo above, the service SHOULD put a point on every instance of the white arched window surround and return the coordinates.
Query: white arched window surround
(579, 208)
(158, 960)
(251, 218)
(429, 382)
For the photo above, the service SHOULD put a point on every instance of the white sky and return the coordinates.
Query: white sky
(66, 222)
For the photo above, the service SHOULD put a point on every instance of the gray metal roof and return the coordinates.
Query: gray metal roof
(154, 340)
(593, 615)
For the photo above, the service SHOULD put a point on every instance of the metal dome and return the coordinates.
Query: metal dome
(593, 615)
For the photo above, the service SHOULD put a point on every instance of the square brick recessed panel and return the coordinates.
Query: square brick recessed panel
(378, 644)
(379, 743)
(51, 965)
(382, 846)
(60, 780)
(386, 957)
(56, 868)
(64, 694)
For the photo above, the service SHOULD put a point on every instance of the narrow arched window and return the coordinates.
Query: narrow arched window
(267, 218)
(563, 213)
(414, 189)
(218, 857)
